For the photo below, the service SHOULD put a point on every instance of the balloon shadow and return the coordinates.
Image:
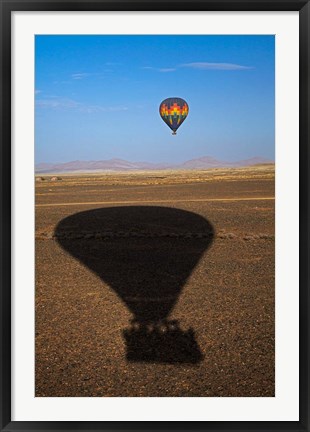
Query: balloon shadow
(145, 254)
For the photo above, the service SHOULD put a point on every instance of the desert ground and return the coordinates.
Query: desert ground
(156, 283)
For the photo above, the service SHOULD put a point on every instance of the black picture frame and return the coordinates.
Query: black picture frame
(7, 7)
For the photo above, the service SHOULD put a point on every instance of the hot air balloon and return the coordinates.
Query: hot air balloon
(173, 111)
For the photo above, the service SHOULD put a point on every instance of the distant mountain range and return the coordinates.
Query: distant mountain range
(205, 162)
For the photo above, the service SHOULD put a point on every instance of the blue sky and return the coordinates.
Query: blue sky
(97, 97)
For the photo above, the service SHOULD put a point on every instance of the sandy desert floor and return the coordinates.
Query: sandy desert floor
(156, 283)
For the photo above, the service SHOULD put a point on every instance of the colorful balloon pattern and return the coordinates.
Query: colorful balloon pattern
(173, 111)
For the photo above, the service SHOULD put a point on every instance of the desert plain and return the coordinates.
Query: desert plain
(157, 283)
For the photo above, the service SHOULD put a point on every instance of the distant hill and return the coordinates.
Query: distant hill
(205, 162)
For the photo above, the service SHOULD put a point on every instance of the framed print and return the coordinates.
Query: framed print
(154, 219)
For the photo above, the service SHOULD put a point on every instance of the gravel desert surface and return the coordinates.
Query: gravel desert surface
(156, 283)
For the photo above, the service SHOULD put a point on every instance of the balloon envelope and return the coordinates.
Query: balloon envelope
(173, 111)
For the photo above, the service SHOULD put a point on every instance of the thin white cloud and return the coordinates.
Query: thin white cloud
(201, 66)
(57, 103)
(70, 104)
(215, 66)
(63, 82)
(159, 69)
(38, 91)
(166, 70)
(83, 75)
(79, 76)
